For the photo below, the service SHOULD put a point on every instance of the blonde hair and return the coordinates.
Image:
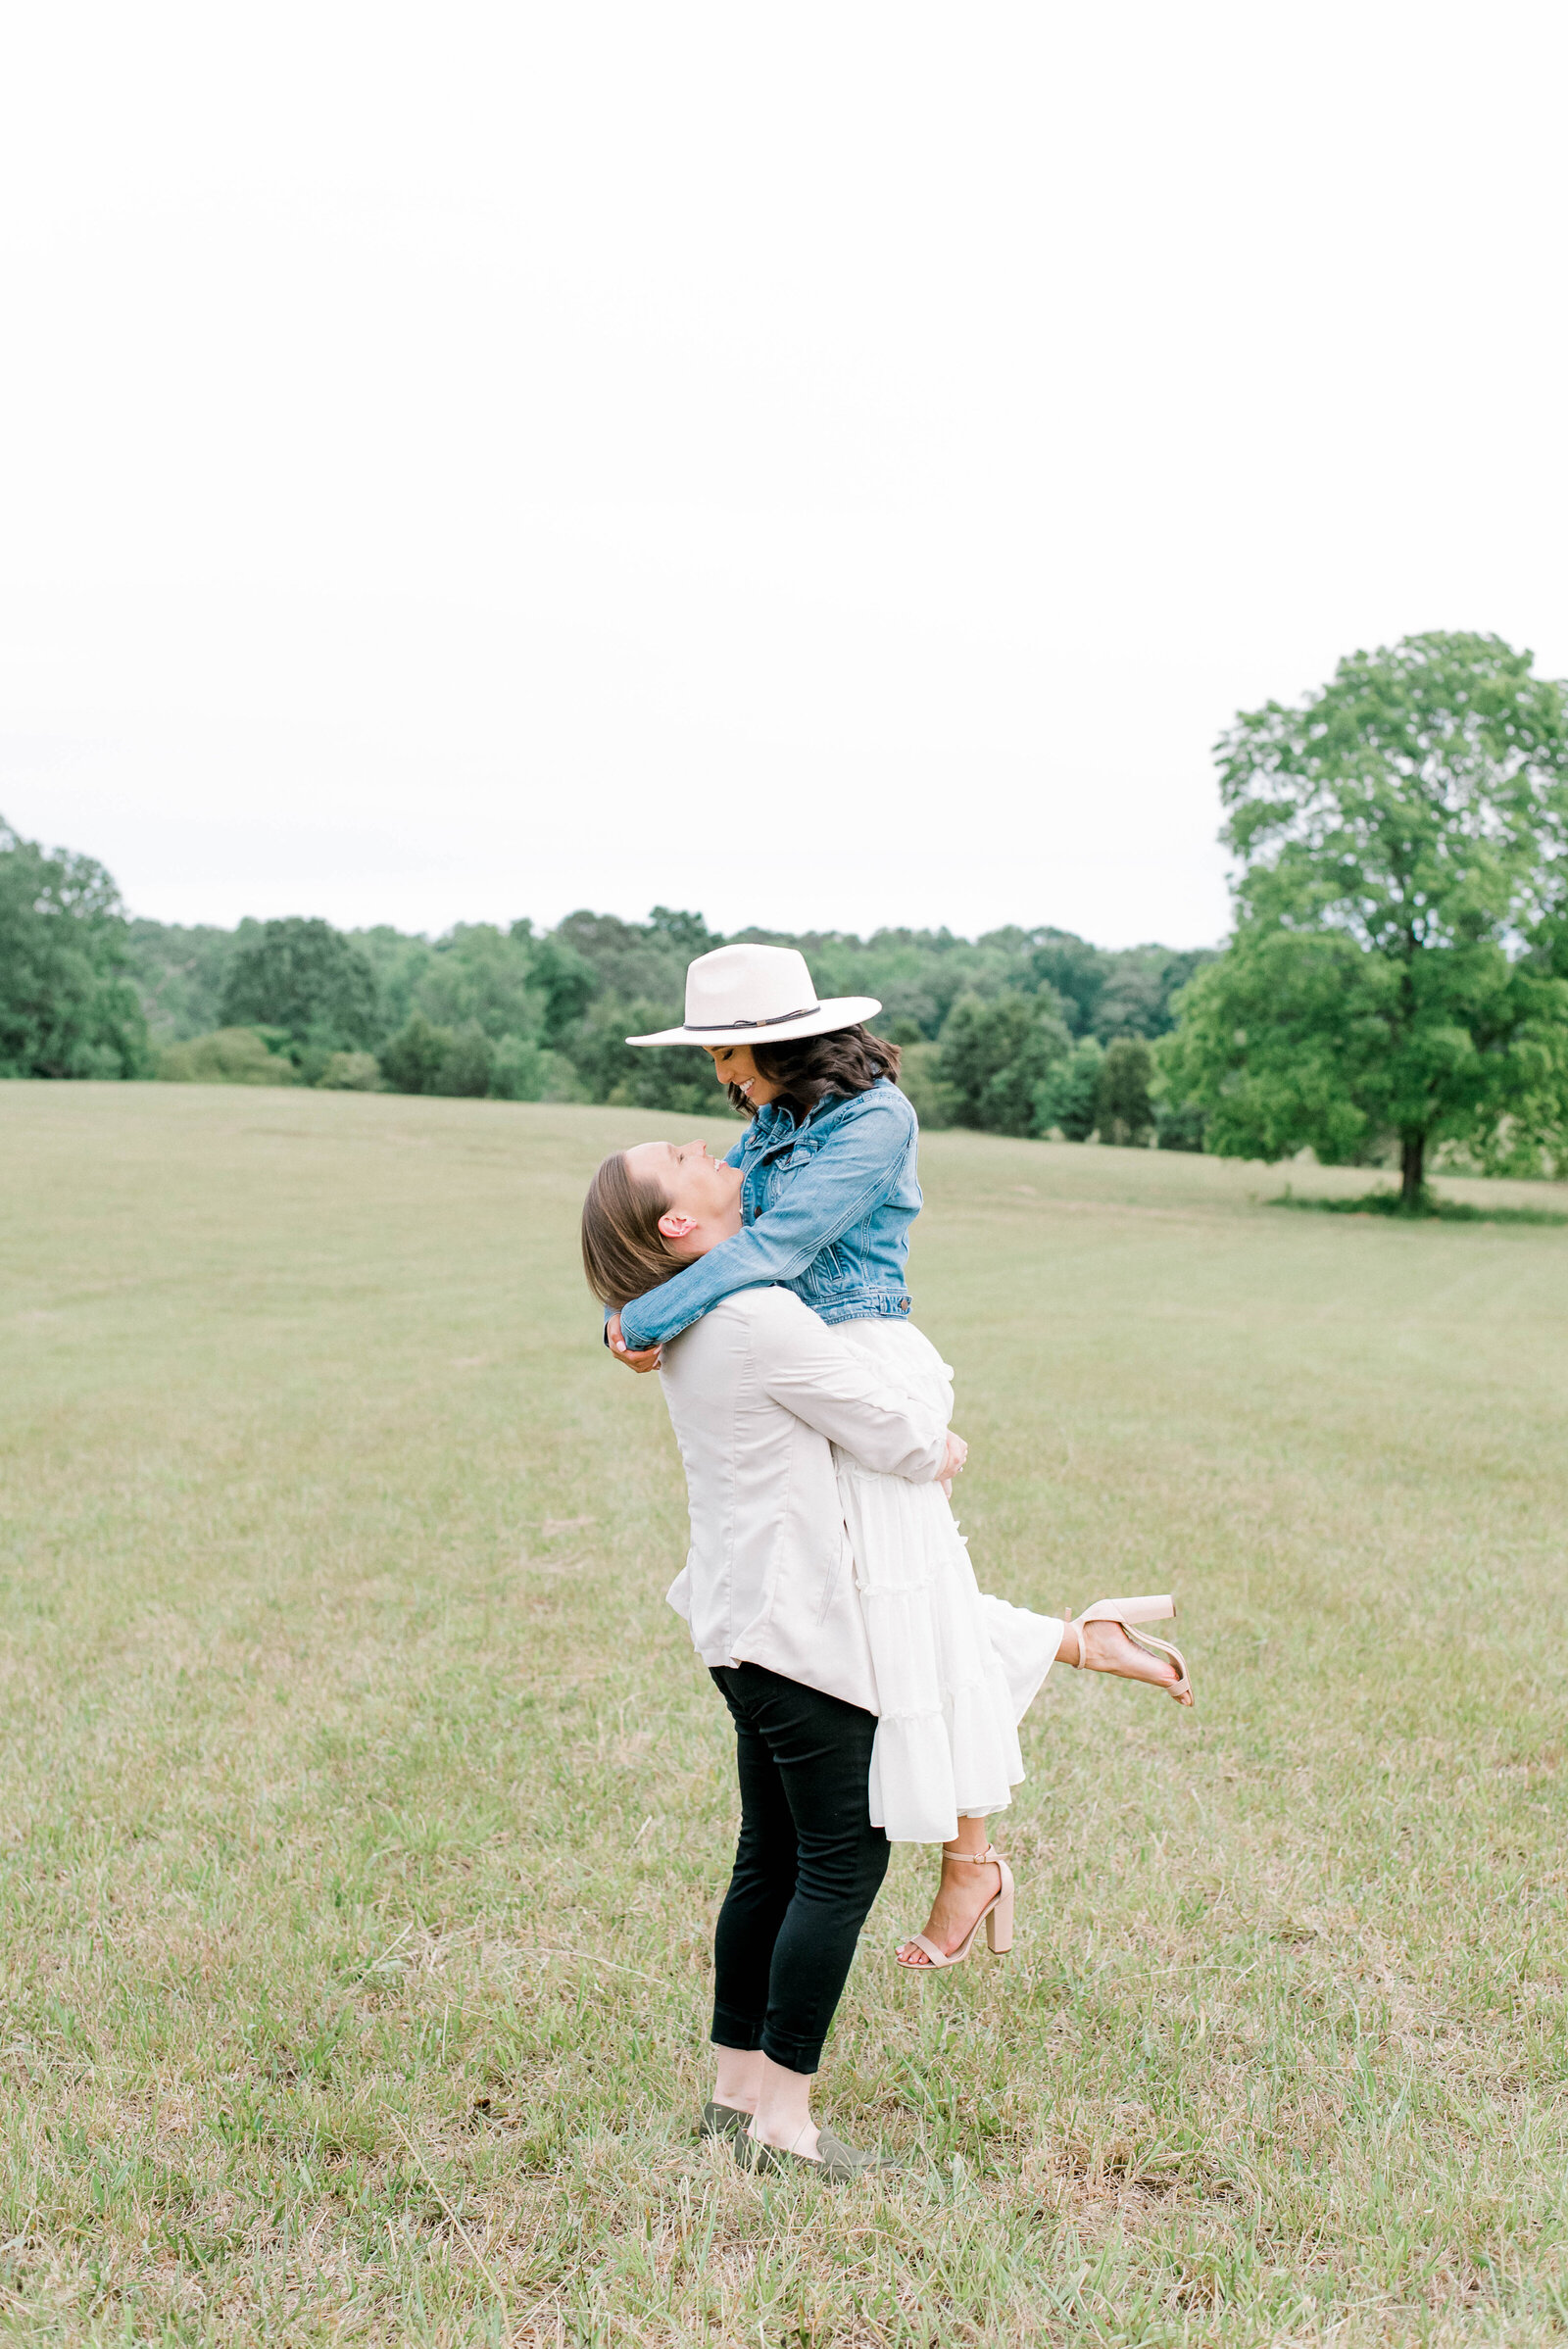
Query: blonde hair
(622, 1252)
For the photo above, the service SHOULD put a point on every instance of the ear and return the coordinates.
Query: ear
(676, 1227)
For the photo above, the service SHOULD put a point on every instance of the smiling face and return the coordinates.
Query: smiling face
(704, 1194)
(733, 1064)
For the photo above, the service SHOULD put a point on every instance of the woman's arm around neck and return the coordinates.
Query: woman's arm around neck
(853, 1171)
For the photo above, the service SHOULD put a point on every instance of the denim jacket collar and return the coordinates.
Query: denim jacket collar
(774, 1124)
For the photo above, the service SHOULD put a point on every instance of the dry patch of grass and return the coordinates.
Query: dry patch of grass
(365, 1811)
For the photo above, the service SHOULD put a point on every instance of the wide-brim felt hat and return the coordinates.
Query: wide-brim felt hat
(758, 994)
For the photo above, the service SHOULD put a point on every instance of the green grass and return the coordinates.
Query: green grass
(364, 1811)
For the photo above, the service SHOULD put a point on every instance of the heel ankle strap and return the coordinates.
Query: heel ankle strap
(979, 1857)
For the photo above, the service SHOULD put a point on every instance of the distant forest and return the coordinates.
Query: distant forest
(1394, 993)
(1022, 1031)
(1007, 1032)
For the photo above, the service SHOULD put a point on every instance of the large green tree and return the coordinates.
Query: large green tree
(997, 1056)
(1068, 1101)
(1399, 973)
(67, 1009)
(1123, 1110)
(307, 979)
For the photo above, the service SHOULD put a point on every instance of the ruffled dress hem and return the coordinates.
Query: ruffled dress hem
(955, 1669)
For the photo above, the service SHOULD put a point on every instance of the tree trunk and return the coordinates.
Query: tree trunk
(1412, 1167)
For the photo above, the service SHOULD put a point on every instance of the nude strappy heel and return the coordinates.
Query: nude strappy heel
(995, 1917)
(1129, 1612)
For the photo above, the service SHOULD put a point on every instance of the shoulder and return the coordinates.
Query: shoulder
(734, 1318)
(726, 1318)
(774, 1321)
(763, 1308)
(712, 1347)
(883, 1107)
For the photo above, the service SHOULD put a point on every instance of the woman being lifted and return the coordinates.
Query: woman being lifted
(828, 1194)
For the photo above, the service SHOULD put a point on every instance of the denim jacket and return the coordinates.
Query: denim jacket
(827, 1204)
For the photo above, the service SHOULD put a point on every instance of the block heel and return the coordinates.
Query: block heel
(995, 1917)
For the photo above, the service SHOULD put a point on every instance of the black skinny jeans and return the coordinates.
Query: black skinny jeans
(807, 1866)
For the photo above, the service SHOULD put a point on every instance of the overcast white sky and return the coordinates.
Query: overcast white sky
(827, 465)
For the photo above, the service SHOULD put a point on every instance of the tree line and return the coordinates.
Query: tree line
(1018, 1031)
(1396, 988)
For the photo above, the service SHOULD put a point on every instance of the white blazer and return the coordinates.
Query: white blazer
(758, 1391)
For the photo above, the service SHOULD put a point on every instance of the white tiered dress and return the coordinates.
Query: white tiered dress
(955, 1669)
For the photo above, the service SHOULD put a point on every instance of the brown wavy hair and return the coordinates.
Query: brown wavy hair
(808, 1068)
(622, 1252)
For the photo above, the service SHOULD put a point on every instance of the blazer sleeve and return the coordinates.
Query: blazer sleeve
(816, 1374)
(850, 1174)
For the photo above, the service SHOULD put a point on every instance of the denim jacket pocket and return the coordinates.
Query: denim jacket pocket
(800, 1151)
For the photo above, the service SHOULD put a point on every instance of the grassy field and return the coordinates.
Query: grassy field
(364, 1810)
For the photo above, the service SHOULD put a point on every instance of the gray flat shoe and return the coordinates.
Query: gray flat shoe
(836, 2161)
(723, 2121)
